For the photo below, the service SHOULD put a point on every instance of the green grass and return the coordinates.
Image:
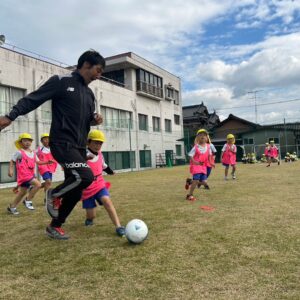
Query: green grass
(248, 248)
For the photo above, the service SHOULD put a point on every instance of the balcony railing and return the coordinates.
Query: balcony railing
(150, 89)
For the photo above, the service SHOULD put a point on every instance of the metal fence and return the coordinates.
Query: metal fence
(283, 149)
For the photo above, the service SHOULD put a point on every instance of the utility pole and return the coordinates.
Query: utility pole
(285, 137)
(255, 103)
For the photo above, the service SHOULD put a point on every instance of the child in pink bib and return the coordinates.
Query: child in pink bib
(199, 160)
(273, 154)
(97, 192)
(229, 156)
(25, 160)
(44, 154)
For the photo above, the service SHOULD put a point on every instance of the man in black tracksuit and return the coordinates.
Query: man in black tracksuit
(73, 112)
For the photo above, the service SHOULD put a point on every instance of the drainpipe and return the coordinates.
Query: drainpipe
(36, 117)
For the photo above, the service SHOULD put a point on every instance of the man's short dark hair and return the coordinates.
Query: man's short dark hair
(92, 57)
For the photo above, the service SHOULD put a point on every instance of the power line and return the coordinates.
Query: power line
(262, 104)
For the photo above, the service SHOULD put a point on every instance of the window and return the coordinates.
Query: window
(168, 125)
(142, 75)
(145, 158)
(115, 77)
(151, 79)
(120, 160)
(172, 94)
(248, 141)
(46, 110)
(276, 140)
(4, 178)
(116, 118)
(176, 97)
(149, 83)
(177, 119)
(9, 96)
(143, 122)
(178, 150)
(156, 124)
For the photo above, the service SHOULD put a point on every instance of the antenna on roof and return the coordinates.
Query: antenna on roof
(2, 39)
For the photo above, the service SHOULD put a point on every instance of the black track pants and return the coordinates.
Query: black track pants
(78, 176)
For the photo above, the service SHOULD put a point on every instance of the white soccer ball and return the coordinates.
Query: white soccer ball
(136, 231)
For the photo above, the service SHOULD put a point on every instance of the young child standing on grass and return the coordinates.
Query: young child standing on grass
(210, 163)
(199, 157)
(229, 156)
(25, 160)
(44, 154)
(273, 154)
(97, 191)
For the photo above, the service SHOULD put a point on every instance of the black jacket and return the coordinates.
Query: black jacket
(73, 106)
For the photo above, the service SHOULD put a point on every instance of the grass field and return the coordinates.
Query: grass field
(248, 248)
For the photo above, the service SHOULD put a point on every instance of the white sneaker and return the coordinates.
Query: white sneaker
(233, 176)
(28, 204)
(225, 178)
(12, 210)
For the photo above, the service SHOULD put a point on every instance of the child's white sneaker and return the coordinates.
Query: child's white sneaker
(225, 178)
(233, 176)
(28, 204)
(12, 210)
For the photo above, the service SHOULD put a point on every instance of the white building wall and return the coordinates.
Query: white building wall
(21, 71)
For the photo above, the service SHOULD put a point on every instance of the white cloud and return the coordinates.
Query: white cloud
(69, 27)
(171, 34)
(275, 63)
(212, 97)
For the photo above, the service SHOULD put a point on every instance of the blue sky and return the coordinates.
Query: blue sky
(220, 49)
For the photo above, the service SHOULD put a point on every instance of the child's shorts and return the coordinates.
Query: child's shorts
(228, 165)
(27, 184)
(47, 175)
(91, 202)
(200, 177)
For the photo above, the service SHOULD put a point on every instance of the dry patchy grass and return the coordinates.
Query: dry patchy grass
(248, 248)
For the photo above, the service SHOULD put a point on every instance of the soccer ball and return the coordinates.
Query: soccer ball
(136, 231)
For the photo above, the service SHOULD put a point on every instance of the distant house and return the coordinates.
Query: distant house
(194, 118)
(234, 125)
(251, 137)
(284, 136)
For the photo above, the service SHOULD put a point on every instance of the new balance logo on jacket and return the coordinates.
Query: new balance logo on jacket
(76, 165)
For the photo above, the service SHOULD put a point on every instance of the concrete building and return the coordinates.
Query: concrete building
(140, 102)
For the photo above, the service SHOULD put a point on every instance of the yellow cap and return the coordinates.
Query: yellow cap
(202, 131)
(44, 135)
(96, 135)
(21, 137)
(230, 136)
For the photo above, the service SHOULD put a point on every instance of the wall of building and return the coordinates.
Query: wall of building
(232, 126)
(27, 73)
(286, 142)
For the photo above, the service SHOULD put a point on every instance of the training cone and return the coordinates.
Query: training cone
(207, 208)
(169, 163)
